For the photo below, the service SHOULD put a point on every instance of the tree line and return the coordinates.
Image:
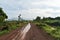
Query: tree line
(46, 18)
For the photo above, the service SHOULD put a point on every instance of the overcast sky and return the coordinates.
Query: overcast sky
(29, 9)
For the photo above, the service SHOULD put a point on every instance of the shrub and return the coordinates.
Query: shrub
(3, 32)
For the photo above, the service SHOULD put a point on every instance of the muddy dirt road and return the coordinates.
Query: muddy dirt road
(37, 34)
(29, 32)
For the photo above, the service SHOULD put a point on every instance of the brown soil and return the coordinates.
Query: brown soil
(37, 34)
(9, 36)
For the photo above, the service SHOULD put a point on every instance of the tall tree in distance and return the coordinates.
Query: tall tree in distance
(38, 18)
(3, 15)
(19, 17)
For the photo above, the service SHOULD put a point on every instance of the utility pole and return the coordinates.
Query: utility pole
(19, 17)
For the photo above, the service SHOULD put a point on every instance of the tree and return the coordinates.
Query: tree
(3, 15)
(48, 18)
(38, 18)
(57, 18)
(44, 18)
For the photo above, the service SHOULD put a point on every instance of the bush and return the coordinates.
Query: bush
(40, 25)
(13, 27)
(3, 32)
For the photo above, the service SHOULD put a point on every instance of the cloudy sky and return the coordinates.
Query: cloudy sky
(29, 9)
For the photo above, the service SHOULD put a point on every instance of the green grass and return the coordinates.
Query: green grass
(12, 25)
(3, 32)
(48, 28)
(53, 31)
(56, 34)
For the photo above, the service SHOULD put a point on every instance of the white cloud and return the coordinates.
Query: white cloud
(31, 8)
(32, 13)
(48, 3)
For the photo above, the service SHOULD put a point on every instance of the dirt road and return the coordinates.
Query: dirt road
(24, 32)
(30, 32)
(37, 34)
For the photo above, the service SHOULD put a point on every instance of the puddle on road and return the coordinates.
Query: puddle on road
(24, 31)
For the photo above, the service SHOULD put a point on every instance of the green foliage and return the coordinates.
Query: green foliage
(3, 15)
(37, 18)
(57, 18)
(7, 26)
(10, 25)
(3, 32)
(1, 19)
(13, 27)
(48, 28)
(53, 31)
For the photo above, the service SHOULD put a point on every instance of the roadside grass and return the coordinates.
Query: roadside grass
(11, 25)
(48, 28)
(53, 31)
(3, 32)
(56, 34)
(55, 24)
